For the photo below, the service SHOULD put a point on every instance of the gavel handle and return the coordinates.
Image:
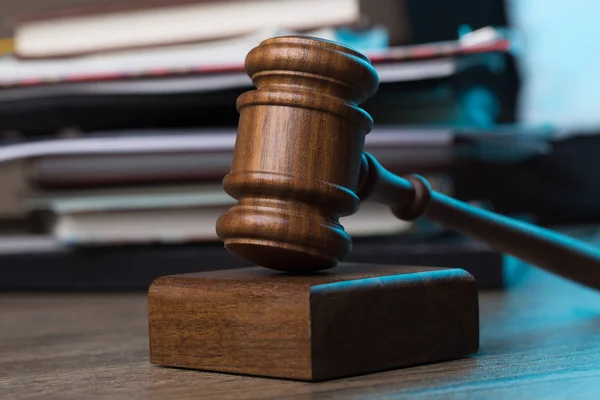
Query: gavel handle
(412, 197)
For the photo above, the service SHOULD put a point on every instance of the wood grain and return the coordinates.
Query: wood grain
(357, 319)
(298, 163)
(412, 197)
(297, 154)
(220, 321)
(539, 340)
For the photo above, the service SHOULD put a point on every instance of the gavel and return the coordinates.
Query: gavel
(298, 166)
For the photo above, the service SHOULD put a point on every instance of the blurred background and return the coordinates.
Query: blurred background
(118, 120)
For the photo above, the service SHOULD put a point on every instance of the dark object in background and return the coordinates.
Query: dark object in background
(434, 20)
(558, 188)
(425, 21)
(47, 266)
(393, 14)
(88, 113)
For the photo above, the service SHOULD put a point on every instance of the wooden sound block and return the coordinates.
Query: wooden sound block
(354, 319)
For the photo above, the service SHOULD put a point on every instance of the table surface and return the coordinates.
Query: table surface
(541, 338)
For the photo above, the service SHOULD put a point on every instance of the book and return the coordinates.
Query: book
(220, 63)
(108, 27)
(102, 170)
(157, 160)
(125, 25)
(178, 156)
(174, 218)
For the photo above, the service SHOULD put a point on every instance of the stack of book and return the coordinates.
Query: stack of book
(117, 120)
(135, 187)
(180, 63)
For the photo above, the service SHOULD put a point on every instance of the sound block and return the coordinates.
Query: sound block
(351, 320)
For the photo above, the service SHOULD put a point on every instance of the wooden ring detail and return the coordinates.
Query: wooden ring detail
(420, 202)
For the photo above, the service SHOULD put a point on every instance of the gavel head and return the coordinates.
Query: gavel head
(298, 154)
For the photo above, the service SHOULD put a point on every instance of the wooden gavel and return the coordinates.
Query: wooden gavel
(299, 166)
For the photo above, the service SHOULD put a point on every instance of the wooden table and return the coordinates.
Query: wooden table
(539, 339)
